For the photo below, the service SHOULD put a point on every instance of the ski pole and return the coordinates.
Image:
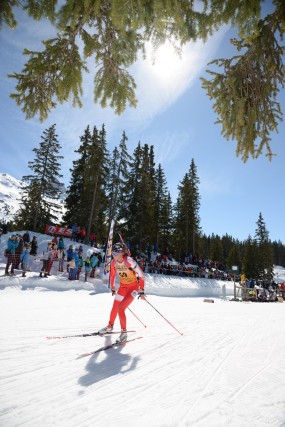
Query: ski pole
(163, 316)
(123, 243)
(137, 317)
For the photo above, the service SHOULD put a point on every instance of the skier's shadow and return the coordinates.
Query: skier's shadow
(114, 363)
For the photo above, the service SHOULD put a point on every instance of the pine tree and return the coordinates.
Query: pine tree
(245, 92)
(278, 253)
(120, 165)
(134, 189)
(94, 197)
(264, 251)
(187, 220)
(141, 186)
(195, 181)
(250, 259)
(43, 188)
(73, 201)
(233, 257)
(163, 211)
(86, 201)
(216, 249)
(148, 187)
(115, 32)
(204, 246)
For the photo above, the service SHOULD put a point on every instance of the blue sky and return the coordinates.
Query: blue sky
(174, 114)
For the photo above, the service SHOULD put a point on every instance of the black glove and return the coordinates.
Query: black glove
(141, 292)
(113, 292)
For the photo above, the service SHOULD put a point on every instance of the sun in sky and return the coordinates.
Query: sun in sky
(165, 62)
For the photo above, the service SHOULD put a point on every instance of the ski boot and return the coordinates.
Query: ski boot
(123, 337)
(106, 330)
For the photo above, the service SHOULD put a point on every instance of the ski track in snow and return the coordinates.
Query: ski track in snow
(227, 369)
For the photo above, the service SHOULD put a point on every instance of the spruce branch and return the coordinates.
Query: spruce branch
(246, 92)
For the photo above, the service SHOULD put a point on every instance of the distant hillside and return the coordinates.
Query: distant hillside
(10, 196)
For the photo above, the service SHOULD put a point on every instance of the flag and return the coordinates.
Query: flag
(108, 256)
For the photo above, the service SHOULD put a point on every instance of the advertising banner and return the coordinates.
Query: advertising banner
(59, 231)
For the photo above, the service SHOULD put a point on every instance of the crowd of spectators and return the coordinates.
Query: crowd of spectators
(198, 267)
(150, 262)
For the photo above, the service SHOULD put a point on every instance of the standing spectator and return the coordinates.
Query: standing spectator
(80, 264)
(60, 244)
(69, 255)
(100, 257)
(18, 252)
(94, 263)
(47, 261)
(142, 263)
(75, 256)
(155, 248)
(72, 270)
(82, 235)
(149, 250)
(92, 239)
(12, 244)
(74, 229)
(87, 267)
(60, 253)
(34, 246)
(60, 257)
(54, 251)
(80, 250)
(78, 234)
(55, 240)
(26, 260)
(1, 232)
(26, 237)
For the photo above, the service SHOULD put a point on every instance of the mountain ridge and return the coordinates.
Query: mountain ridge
(10, 197)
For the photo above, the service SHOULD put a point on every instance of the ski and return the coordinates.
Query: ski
(91, 334)
(106, 347)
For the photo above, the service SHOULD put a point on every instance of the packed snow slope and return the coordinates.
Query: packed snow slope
(198, 364)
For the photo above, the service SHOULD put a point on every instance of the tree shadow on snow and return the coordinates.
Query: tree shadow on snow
(114, 363)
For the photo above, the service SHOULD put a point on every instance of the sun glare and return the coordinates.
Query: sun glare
(165, 62)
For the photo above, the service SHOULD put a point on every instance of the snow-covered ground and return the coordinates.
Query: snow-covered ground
(227, 369)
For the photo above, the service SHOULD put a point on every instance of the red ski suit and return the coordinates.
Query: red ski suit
(131, 281)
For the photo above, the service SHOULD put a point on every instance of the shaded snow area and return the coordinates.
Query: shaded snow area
(227, 369)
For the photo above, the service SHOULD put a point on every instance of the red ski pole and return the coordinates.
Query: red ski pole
(163, 317)
(137, 317)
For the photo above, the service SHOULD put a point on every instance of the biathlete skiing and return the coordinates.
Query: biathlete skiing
(131, 285)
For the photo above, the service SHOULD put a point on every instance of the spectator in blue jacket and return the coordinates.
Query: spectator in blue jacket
(12, 244)
(80, 264)
(60, 244)
(94, 260)
(74, 229)
(69, 256)
(26, 259)
(75, 256)
(87, 267)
